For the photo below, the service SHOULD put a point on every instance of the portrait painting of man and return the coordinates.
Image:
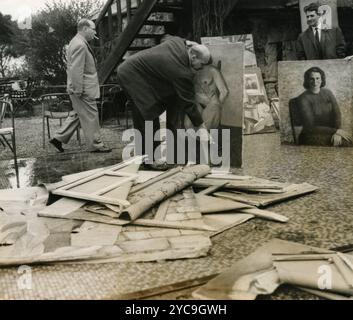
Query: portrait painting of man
(321, 38)
(327, 10)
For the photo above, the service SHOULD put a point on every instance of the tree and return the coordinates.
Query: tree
(5, 28)
(5, 57)
(8, 34)
(52, 29)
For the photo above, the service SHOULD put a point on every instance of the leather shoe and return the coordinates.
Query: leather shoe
(157, 166)
(57, 144)
(102, 150)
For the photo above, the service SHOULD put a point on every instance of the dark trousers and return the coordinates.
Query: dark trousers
(174, 116)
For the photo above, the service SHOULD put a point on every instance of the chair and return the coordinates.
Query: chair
(62, 88)
(295, 120)
(5, 88)
(56, 106)
(108, 96)
(22, 100)
(7, 108)
(128, 112)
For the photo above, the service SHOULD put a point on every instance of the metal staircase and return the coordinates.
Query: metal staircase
(127, 26)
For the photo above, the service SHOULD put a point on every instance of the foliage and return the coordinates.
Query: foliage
(19, 70)
(8, 32)
(52, 29)
(5, 28)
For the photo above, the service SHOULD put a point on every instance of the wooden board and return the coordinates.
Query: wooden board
(263, 200)
(144, 294)
(95, 234)
(210, 204)
(265, 214)
(223, 222)
(251, 184)
(61, 208)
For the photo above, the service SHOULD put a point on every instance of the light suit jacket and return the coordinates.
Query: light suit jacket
(82, 77)
(332, 45)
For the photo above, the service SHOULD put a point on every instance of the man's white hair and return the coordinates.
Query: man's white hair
(203, 53)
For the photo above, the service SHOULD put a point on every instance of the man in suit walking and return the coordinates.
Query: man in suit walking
(83, 88)
(317, 42)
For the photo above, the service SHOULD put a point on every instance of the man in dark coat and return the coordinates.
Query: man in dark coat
(317, 42)
(161, 79)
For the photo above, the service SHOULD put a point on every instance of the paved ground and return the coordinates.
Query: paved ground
(323, 219)
(51, 165)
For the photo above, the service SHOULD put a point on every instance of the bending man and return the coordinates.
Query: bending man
(161, 79)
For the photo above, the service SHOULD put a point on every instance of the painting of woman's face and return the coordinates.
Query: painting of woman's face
(315, 85)
(315, 81)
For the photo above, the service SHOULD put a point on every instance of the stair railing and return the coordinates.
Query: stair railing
(125, 36)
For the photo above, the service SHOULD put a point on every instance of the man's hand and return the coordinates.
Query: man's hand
(78, 94)
(72, 92)
(345, 135)
(336, 140)
(339, 136)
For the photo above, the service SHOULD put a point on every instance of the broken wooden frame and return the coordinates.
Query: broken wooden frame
(107, 180)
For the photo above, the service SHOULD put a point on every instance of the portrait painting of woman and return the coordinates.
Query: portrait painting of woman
(320, 113)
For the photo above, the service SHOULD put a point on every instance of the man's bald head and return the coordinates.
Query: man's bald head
(203, 53)
(199, 55)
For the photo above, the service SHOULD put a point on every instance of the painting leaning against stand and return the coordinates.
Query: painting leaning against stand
(328, 10)
(230, 57)
(247, 39)
(258, 116)
(291, 78)
(257, 110)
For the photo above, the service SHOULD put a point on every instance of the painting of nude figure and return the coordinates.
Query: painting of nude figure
(211, 91)
(219, 97)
